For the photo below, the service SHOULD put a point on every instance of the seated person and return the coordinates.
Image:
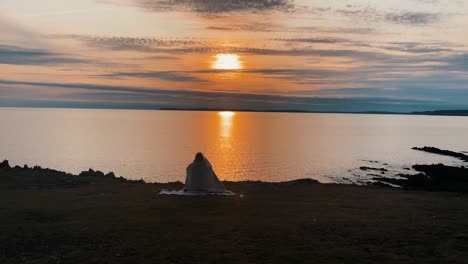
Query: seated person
(201, 177)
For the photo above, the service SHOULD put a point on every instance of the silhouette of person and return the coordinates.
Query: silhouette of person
(201, 177)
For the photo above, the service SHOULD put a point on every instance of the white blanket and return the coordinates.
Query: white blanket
(194, 193)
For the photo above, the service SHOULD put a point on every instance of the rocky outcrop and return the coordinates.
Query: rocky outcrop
(433, 178)
(4, 164)
(38, 177)
(374, 169)
(434, 150)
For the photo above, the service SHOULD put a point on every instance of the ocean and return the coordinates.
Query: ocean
(157, 146)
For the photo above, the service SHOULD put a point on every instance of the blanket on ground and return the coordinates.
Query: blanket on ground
(194, 193)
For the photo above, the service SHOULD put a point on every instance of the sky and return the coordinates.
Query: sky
(313, 55)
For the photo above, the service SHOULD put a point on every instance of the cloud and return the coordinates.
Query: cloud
(13, 32)
(370, 61)
(129, 43)
(314, 40)
(23, 56)
(395, 17)
(412, 18)
(350, 30)
(274, 27)
(210, 7)
(109, 96)
(251, 26)
(97, 87)
(169, 48)
(417, 47)
(174, 76)
(407, 47)
(455, 62)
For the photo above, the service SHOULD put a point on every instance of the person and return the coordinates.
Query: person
(201, 177)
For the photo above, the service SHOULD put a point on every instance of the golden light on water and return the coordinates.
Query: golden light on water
(227, 158)
(226, 114)
(226, 128)
(224, 61)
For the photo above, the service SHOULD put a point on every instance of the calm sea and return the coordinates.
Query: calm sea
(158, 145)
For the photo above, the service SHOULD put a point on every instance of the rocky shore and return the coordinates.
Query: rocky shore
(434, 177)
(434, 150)
(437, 177)
(18, 177)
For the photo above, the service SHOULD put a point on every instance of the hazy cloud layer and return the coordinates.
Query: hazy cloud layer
(404, 17)
(129, 43)
(145, 98)
(216, 6)
(348, 48)
(413, 18)
(173, 76)
(24, 56)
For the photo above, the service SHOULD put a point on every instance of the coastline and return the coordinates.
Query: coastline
(57, 217)
(435, 177)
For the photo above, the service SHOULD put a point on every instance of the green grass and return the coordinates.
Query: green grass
(103, 220)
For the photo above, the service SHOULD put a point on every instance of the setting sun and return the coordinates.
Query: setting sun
(227, 62)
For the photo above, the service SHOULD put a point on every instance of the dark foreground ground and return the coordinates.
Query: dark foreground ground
(52, 217)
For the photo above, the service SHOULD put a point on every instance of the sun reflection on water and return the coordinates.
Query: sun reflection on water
(226, 128)
(227, 114)
(226, 158)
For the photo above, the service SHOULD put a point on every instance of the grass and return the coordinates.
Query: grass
(104, 220)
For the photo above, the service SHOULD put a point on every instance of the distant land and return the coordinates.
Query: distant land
(433, 113)
(444, 113)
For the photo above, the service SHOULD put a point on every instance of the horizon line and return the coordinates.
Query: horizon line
(446, 112)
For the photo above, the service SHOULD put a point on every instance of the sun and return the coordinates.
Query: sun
(224, 61)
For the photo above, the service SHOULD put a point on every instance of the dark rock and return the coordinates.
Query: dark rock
(380, 184)
(110, 175)
(91, 173)
(301, 182)
(364, 168)
(5, 165)
(443, 152)
(432, 178)
(418, 181)
(394, 181)
(40, 178)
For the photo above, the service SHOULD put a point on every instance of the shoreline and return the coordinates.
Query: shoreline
(435, 177)
(48, 216)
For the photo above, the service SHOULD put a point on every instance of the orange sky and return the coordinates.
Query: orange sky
(353, 55)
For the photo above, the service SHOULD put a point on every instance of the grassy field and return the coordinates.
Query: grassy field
(104, 220)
